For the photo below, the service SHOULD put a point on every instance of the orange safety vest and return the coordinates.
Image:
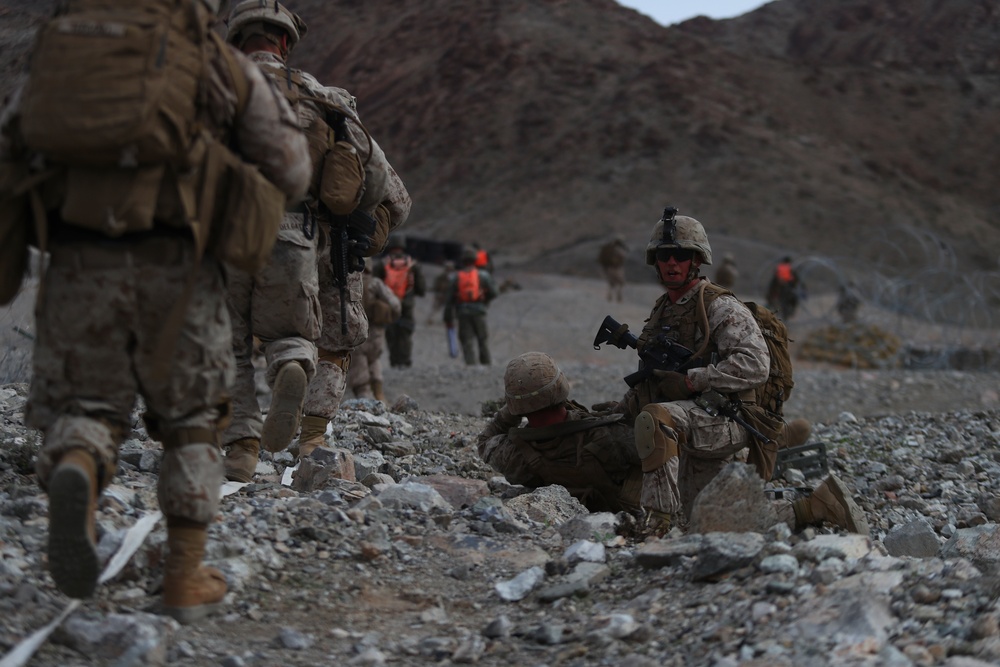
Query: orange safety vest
(398, 276)
(468, 286)
(783, 272)
(482, 259)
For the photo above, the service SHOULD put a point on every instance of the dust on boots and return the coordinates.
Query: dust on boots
(313, 434)
(289, 395)
(241, 461)
(73, 489)
(831, 501)
(191, 590)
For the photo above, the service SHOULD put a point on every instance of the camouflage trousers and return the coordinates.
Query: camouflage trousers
(366, 361)
(327, 387)
(280, 305)
(707, 444)
(615, 275)
(100, 320)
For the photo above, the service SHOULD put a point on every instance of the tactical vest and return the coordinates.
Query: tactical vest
(338, 176)
(398, 276)
(681, 322)
(467, 287)
(579, 455)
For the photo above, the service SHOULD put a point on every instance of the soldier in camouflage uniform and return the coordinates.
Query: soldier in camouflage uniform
(592, 455)
(382, 308)
(384, 198)
(612, 260)
(470, 292)
(405, 277)
(100, 316)
(723, 332)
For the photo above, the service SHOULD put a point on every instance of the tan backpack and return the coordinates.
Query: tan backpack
(113, 100)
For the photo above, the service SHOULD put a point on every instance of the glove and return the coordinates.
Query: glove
(505, 420)
(673, 386)
(609, 407)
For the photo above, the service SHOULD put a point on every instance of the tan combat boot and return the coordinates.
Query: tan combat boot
(73, 491)
(313, 434)
(377, 390)
(287, 399)
(830, 501)
(797, 432)
(191, 591)
(241, 461)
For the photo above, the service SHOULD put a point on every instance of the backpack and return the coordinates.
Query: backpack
(766, 414)
(113, 100)
(467, 287)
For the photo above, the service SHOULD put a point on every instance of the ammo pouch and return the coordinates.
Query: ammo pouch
(379, 313)
(244, 209)
(762, 455)
(342, 183)
(112, 200)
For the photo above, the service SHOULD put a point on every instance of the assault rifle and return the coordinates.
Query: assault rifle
(351, 235)
(349, 243)
(659, 354)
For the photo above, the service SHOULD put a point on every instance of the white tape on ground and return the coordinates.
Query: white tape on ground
(136, 535)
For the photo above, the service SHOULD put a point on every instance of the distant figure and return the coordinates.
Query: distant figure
(440, 289)
(728, 273)
(784, 290)
(612, 260)
(405, 278)
(848, 302)
(469, 294)
(483, 259)
(382, 307)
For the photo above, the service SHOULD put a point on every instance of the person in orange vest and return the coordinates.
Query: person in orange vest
(483, 259)
(469, 295)
(784, 289)
(405, 277)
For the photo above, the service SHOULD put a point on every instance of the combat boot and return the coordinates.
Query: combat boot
(289, 395)
(377, 390)
(191, 590)
(73, 490)
(241, 461)
(797, 432)
(830, 501)
(313, 434)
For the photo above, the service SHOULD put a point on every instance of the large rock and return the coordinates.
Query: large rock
(733, 502)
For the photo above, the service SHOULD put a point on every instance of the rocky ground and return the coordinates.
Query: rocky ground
(429, 558)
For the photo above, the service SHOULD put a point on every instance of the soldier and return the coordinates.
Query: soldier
(267, 31)
(592, 455)
(784, 289)
(724, 333)
(440, 288)
(382, 308)
(279, 304)
(405, 277)
(114, 268)
(612, 260)
(469, 295)
(727, 274)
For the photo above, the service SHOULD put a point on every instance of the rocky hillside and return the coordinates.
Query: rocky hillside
(816, 127)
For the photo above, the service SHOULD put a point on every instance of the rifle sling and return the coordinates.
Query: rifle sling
(565, 428)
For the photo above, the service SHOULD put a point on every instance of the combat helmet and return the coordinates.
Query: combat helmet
(532, 382)
(678, 231)
(249, 17)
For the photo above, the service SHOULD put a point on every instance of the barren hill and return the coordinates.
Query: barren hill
(540, 126)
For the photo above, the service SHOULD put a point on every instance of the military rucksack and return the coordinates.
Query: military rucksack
(113, 103)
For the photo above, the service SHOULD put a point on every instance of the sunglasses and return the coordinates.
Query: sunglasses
(677, 254)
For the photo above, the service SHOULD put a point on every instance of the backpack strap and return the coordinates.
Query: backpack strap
(240, 82)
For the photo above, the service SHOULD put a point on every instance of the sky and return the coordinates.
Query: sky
(668, 12)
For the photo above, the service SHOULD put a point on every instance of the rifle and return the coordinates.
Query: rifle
(659, 354)
(350, 234)
(716, 404)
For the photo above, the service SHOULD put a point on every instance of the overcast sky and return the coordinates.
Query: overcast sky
(674, 11)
